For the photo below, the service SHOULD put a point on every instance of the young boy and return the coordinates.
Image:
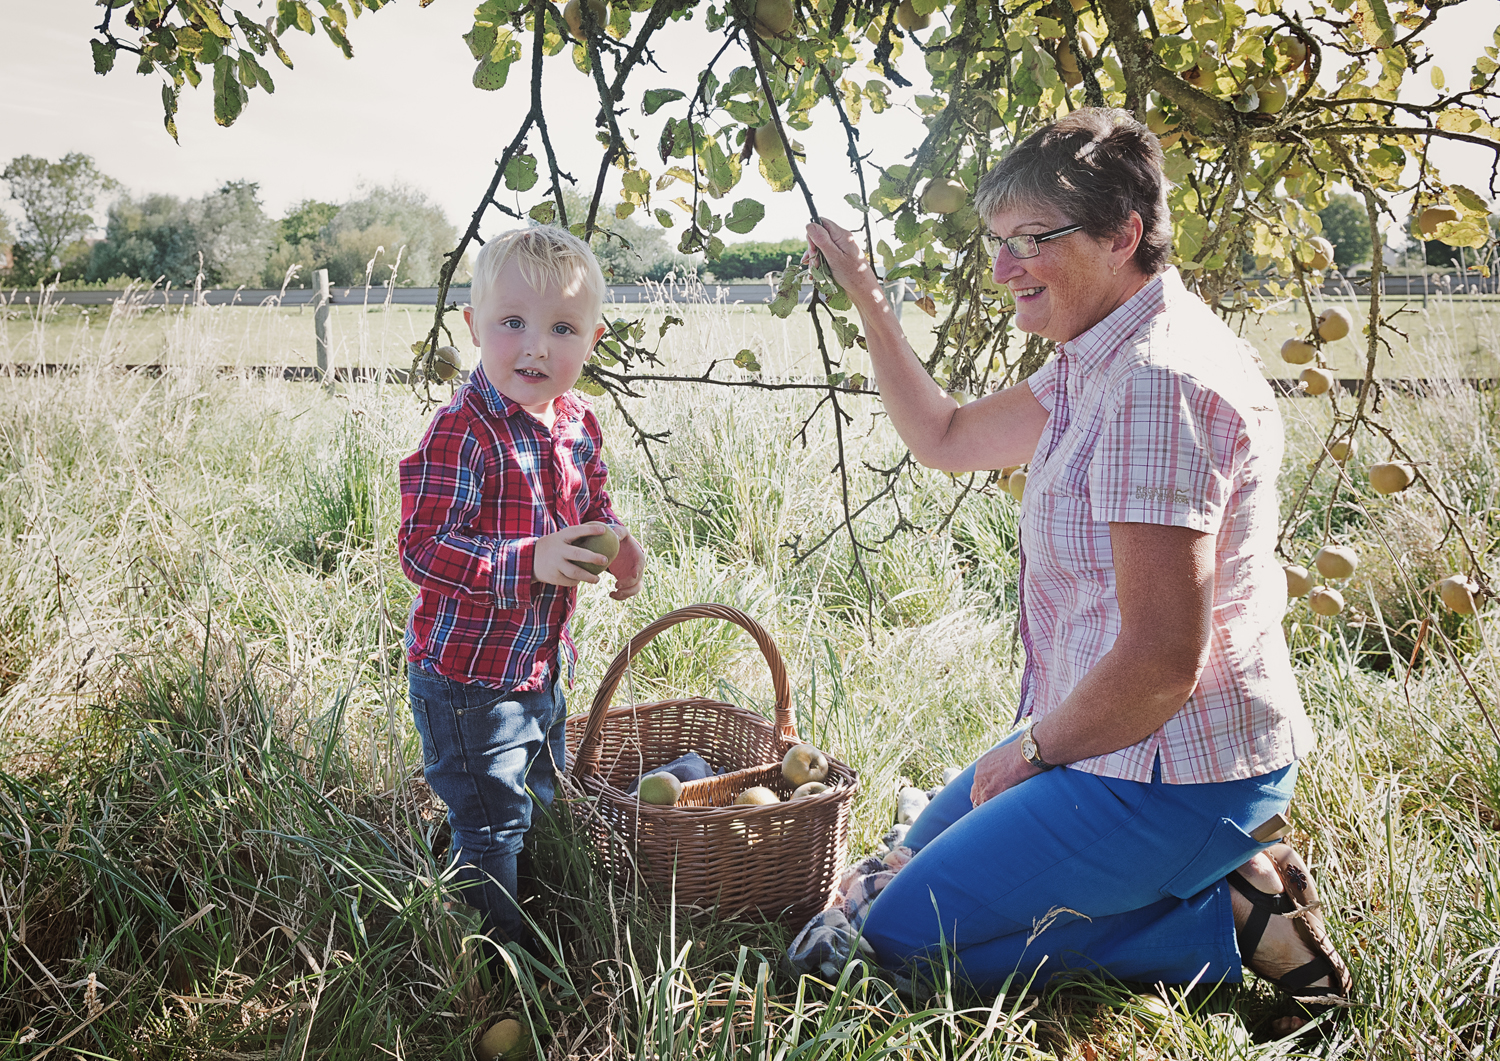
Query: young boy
(508, 475)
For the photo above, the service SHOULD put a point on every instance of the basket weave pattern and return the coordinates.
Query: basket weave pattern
(779, 861)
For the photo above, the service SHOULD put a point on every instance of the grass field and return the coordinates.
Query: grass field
(212, 843)
(1457, 331)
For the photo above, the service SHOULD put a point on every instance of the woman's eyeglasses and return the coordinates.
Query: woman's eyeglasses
(1023, 246)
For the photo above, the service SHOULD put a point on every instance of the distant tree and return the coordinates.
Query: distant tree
(306, 221)
(58, 201)
(1347, 227)
(226, 234)
(629, 251)
(399, 219)
(298, 248)
(753, 259)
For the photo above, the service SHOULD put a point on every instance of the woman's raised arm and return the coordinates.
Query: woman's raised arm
(995, 431)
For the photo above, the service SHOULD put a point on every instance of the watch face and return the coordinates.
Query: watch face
(1028, 750)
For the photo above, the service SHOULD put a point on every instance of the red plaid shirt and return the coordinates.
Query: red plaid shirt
(486, 482)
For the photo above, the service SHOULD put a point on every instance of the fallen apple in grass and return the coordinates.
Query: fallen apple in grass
(1336, 561)
(505, 1039)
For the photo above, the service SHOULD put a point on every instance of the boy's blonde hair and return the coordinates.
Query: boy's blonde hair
(546, 256)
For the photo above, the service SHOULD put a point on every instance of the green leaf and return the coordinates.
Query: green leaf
(656, 98)
(169, 107)
(229, 94)
(784, 304)
(490, 75)
(208, 11)
(1374, 22)
(104, 57)
(664, 219)
(777, 172)
(744, 215)
(520, 173)
(336, 34)
(745, 359)
(1437, 78)
(722, 171)
(211, 49)
(543, 213)
(480, 40)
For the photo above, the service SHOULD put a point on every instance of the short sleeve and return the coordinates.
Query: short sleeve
(1043, 384)
(1167, 454)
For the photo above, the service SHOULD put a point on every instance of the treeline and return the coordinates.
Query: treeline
(227, 238)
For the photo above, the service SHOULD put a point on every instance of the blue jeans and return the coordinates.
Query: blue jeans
(489, 755)
(1071, 872)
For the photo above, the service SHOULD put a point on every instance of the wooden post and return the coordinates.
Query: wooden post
(895, 294)
(320, 321)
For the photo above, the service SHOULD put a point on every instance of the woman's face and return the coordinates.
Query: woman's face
(1069, 286)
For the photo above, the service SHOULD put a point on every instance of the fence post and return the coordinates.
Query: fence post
(895, 294)
(320, 321)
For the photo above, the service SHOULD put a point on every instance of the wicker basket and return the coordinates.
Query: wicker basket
(777, 862)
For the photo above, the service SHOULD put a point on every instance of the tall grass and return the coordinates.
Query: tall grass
(214, 840)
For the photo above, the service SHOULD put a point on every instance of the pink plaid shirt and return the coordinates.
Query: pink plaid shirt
(1159, 414)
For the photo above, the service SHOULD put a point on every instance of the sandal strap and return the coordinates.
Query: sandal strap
(1314, 969)
(1262, 906)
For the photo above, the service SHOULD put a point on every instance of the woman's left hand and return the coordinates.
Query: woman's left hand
(999, 769)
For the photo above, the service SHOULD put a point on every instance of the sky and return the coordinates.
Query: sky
(404, 110)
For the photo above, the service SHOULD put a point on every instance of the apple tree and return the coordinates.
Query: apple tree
(1266, 111)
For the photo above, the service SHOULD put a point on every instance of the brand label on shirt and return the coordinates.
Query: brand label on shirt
(1162, 493)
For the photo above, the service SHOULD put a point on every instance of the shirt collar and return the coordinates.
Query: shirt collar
(1089, 350)
(566, 407)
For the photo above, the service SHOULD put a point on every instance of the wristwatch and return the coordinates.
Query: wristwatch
(1030, 752)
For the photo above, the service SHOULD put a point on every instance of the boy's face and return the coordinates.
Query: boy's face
(533, 343)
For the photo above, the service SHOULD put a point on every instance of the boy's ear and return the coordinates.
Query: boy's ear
(469, 320)
(598, 334)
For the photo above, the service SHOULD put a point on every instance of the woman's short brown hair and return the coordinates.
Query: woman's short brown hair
(1094, 166)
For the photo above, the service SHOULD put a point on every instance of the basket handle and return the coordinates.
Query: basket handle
(585, 759)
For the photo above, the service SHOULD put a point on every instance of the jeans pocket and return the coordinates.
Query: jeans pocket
(424, 731)
(1228, 847)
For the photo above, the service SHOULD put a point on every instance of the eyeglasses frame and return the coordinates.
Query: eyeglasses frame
(992, 242)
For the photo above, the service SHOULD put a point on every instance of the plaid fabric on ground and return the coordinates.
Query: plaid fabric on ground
(487, 480)
(1159, 414)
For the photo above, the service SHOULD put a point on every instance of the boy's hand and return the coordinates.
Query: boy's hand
(629, 566)
(553, 559)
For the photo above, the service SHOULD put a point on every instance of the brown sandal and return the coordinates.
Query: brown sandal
(1299, 902)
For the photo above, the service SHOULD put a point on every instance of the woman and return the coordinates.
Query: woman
(1163, 719)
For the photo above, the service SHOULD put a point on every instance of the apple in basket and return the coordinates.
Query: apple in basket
(661, 788)
(756, 796)
(812, 788)
(803, 763)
